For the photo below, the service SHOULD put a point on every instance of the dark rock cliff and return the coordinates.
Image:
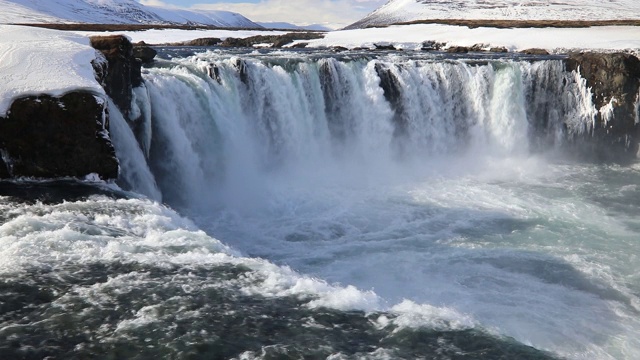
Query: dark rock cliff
(614, 80)
(48, 137)
(123, 68)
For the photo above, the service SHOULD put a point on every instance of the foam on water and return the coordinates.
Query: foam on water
(429, 202)
(432, 193)
(105, 230)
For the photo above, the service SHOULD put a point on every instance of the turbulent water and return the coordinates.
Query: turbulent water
(353, 207)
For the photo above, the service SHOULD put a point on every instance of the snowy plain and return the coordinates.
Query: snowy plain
(37, 61)
(410, 37)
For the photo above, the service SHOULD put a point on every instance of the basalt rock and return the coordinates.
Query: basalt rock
(614, 80)
(392, 90)
(144, 53)
(123, 69)
(432, 45)
(338, 49)
(209, 41)
(49, 137)
(276, 41)
(458, 49)
(119, 77)
(384, 47)
(535, 51)
(499, 49)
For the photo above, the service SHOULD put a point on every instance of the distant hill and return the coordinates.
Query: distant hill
(397, 11)
(289, 26)
(113, 12)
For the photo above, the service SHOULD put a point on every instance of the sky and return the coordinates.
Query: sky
(331, 13)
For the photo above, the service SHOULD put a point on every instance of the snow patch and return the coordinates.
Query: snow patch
(37, 61)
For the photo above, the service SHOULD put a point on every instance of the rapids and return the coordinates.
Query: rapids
(344, 207)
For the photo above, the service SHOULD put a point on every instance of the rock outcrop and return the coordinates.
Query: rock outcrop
(48, 137)
(123, 70)
(51, 137)
(614, 80)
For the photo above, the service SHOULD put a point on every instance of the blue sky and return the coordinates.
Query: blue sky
(333, 13)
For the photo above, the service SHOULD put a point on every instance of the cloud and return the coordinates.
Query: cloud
(332, 13)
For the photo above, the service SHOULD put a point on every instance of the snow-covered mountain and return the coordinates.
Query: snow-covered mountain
(396, 11)
(290, 26)
(112, 12)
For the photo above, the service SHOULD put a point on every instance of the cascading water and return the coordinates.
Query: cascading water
(218, 118)
(372, 206)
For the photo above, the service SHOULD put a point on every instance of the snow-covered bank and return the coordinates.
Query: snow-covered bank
(39, 61)
(163, 36)
(409, 37)
(559, 39)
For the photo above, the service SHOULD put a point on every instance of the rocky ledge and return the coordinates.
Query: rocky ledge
(122, 71)
(47, 137)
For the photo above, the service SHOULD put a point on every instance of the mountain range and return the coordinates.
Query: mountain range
(113, 12)
(398, 11)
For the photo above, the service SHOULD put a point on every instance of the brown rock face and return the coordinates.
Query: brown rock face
(614, 79)
(48, 137)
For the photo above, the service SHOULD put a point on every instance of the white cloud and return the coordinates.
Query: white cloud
(332, 13)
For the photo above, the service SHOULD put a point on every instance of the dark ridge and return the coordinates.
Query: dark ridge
(277, 41)
(53, 192)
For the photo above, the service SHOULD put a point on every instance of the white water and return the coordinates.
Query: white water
(134, 170)
(462, 221)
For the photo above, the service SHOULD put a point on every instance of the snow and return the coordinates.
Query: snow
(37, 61)
(409, 10)
(163, 36)
(112, 12)
(208, 17)
(555, 39)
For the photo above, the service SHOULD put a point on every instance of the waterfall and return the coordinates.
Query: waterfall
(229, 120)
(134, 171)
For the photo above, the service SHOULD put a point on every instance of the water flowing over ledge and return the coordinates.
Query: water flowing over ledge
(376, 206)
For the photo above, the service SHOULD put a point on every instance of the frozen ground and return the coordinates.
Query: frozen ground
(40, 61)
(558, 39)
